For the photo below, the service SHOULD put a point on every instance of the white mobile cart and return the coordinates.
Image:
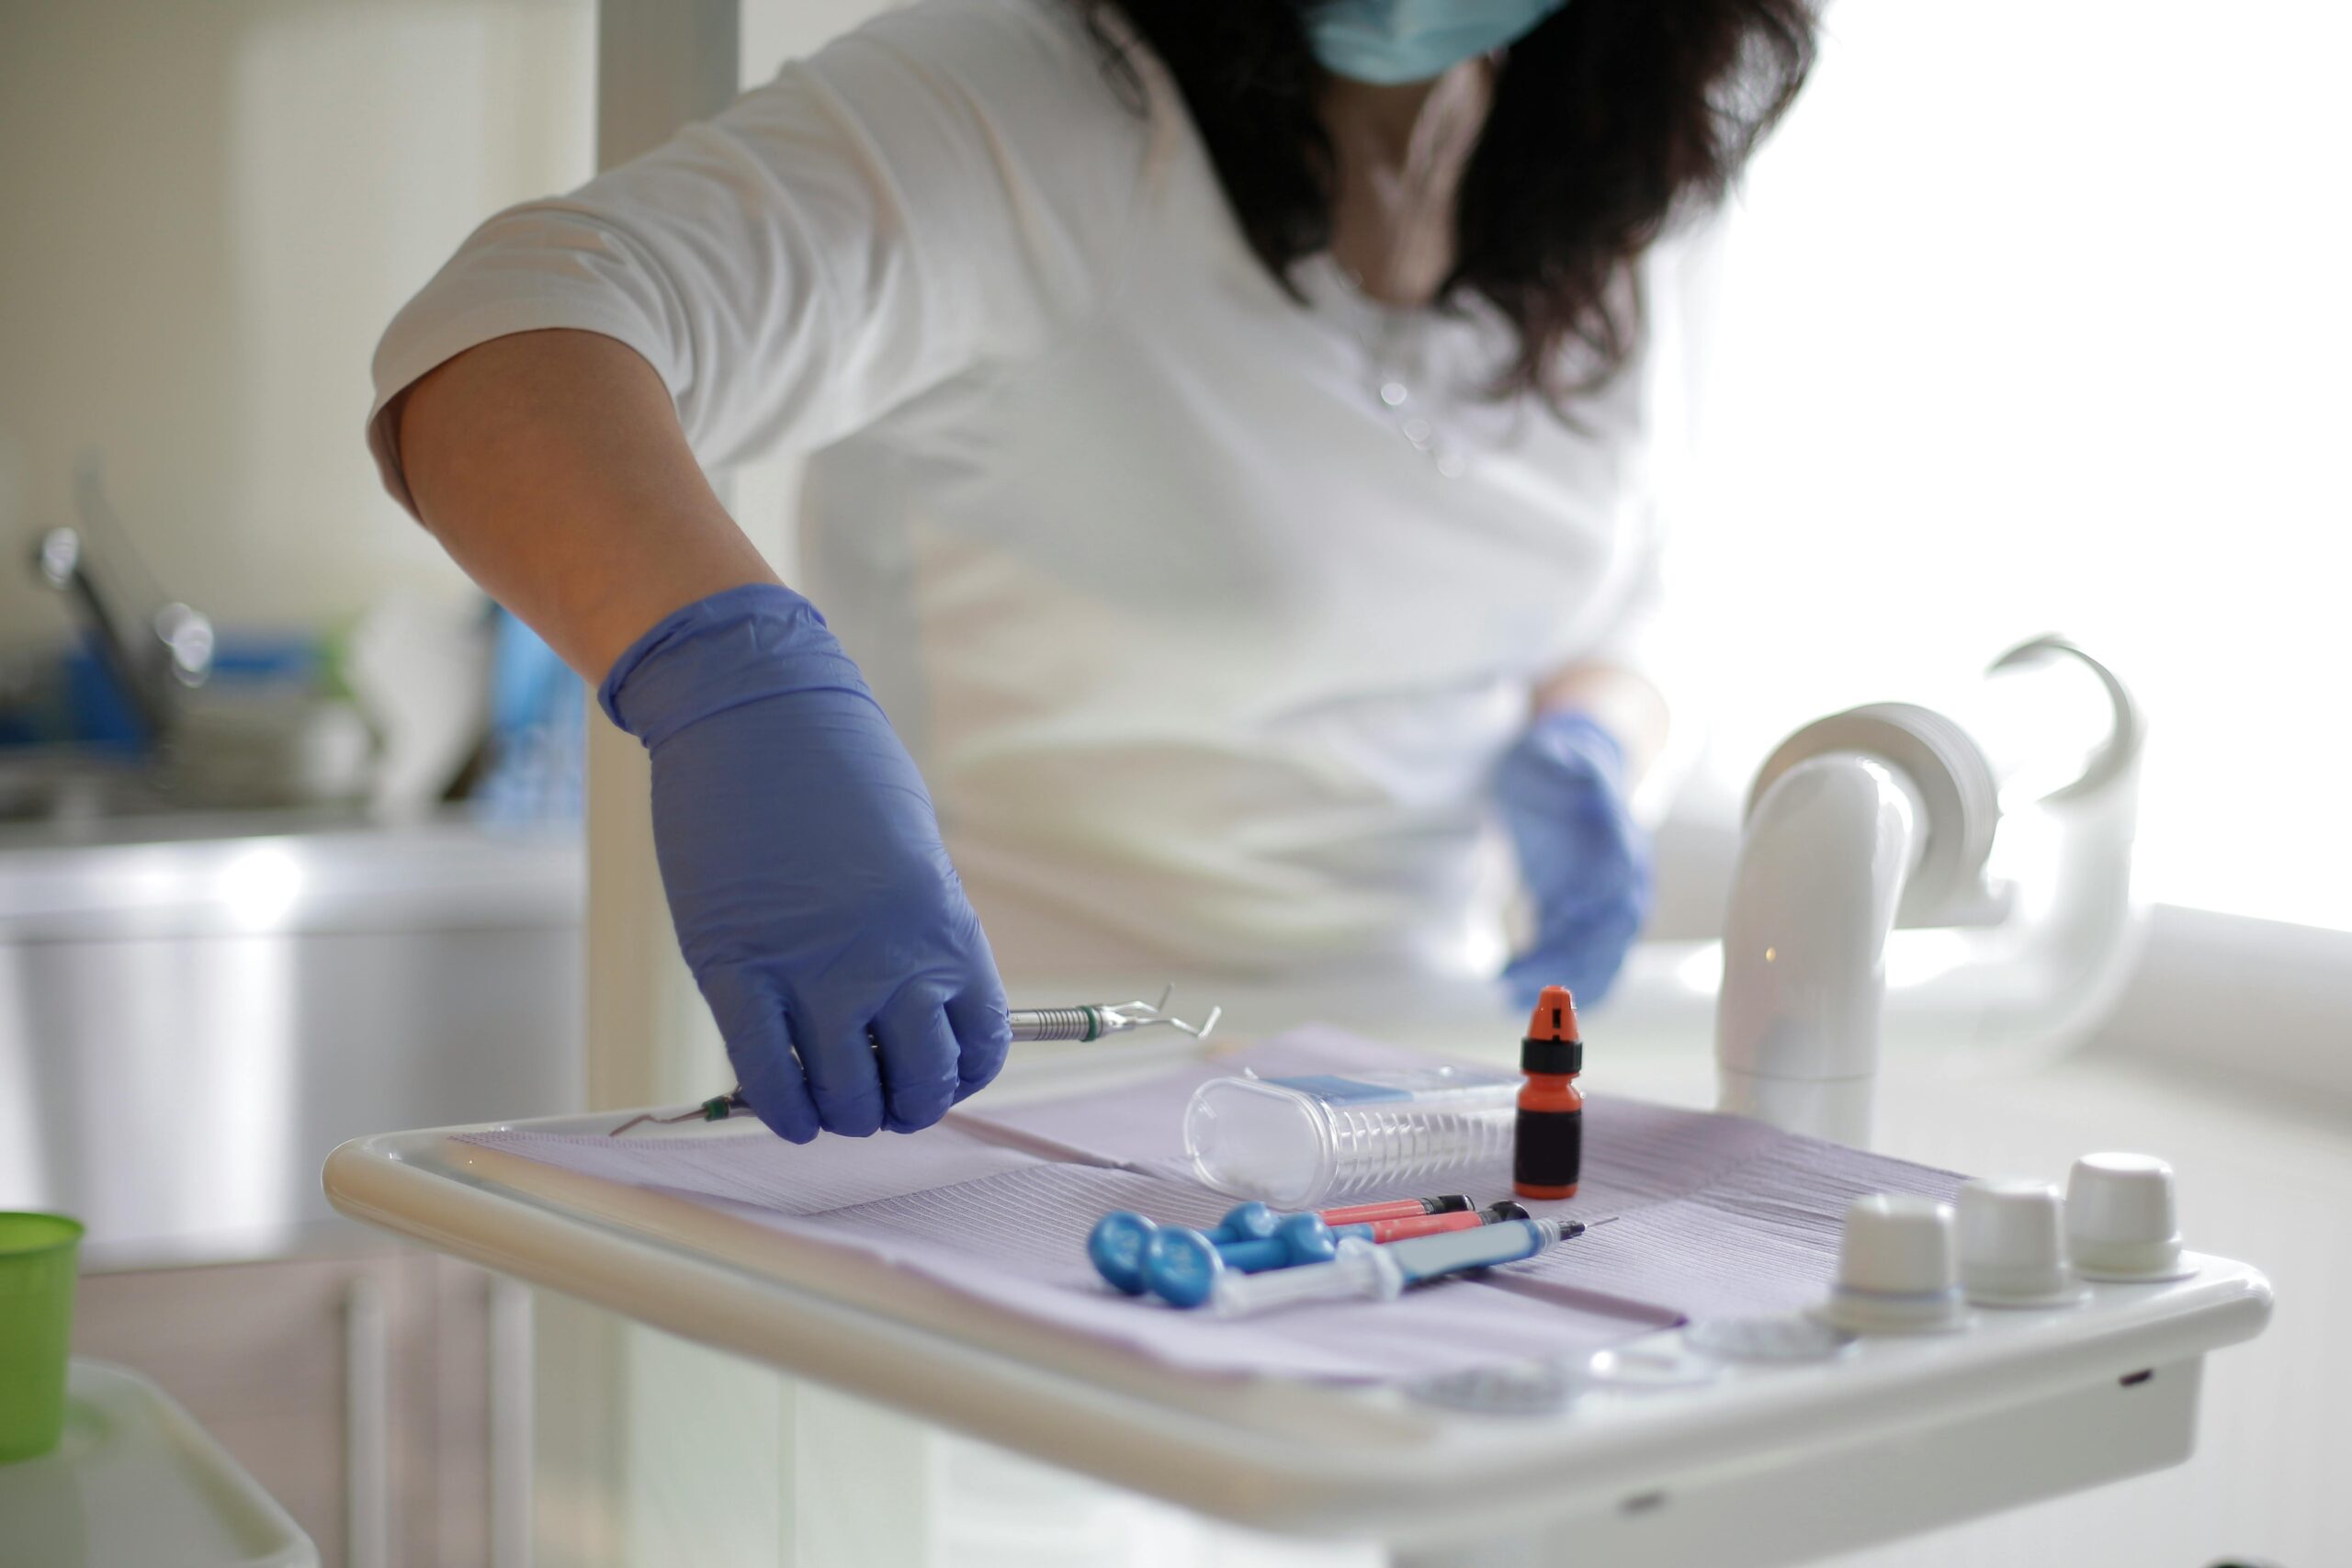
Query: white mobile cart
(1656, 1457)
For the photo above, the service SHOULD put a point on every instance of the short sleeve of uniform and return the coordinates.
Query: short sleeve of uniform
(948, 186)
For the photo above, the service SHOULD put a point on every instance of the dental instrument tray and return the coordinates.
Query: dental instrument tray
(1658, 1382)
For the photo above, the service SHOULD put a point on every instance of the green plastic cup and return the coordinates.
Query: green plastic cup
(39, 1254)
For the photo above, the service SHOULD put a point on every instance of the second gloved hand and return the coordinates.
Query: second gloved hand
(1585, 863)
(805, 872)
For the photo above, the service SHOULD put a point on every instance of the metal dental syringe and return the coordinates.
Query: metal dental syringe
(1085, 1022)
(1093, 1021)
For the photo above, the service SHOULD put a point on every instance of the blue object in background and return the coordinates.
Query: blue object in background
(77, 699)
(98, 713)
(250, 660)
(1585, 862)
(538, 730)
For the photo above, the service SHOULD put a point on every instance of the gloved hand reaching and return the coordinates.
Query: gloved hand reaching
(1584, 862)
(805, 873)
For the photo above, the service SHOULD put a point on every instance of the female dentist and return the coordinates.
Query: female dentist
(1230, 419)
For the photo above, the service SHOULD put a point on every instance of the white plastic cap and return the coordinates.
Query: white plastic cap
(1897, 1243)
(1898, 1269)
(2013, 1245)
(2119, 1218)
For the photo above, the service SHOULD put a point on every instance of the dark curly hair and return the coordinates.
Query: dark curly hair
(1610, 121)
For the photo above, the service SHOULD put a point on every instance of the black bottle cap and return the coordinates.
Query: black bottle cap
(1551, 1056)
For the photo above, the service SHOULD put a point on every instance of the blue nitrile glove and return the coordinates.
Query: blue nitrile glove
(807, 879)
(1585, 865)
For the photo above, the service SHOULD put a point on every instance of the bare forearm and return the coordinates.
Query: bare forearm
(551, 467)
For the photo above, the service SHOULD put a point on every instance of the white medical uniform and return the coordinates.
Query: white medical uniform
(1205, 648)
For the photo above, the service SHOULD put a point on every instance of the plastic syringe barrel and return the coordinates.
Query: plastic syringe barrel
(1362, 1270)
(1365, 1271)
(1449, 1252)
(1396, 1209)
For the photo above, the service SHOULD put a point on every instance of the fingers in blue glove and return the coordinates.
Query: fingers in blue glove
(918, 1055)
(843, 1078)
(983, 1038)
(750, 1014)
(1584, 861)
(1586, 959)
(811, 892)
(922, 1062)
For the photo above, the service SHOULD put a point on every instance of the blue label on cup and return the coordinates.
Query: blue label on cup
(1333, 1090)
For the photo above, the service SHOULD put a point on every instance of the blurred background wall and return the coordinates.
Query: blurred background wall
(211, 211)
(2033, 319)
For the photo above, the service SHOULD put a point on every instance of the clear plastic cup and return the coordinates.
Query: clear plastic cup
(37, 1255)
(1294, 1142)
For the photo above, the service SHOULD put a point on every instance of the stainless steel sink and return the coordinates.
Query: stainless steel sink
(61, 786)
(188, 1025)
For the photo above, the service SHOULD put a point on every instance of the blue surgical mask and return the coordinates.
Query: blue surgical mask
(1388, 41)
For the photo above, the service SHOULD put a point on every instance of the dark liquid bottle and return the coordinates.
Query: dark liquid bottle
(1548, 1153)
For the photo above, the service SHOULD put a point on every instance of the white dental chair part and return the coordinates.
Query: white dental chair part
(1888, 814)
(2013, 1245)
(1898, 1269)
(2119, 1219)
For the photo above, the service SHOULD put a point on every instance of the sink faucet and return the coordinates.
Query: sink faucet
(151, 664)
(1889, 814)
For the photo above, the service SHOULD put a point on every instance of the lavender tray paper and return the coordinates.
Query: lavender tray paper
(1711, 1215)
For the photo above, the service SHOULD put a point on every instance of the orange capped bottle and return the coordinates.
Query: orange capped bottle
(1548, 1152)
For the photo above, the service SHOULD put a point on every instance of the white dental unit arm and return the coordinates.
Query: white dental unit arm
(1892, 814)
